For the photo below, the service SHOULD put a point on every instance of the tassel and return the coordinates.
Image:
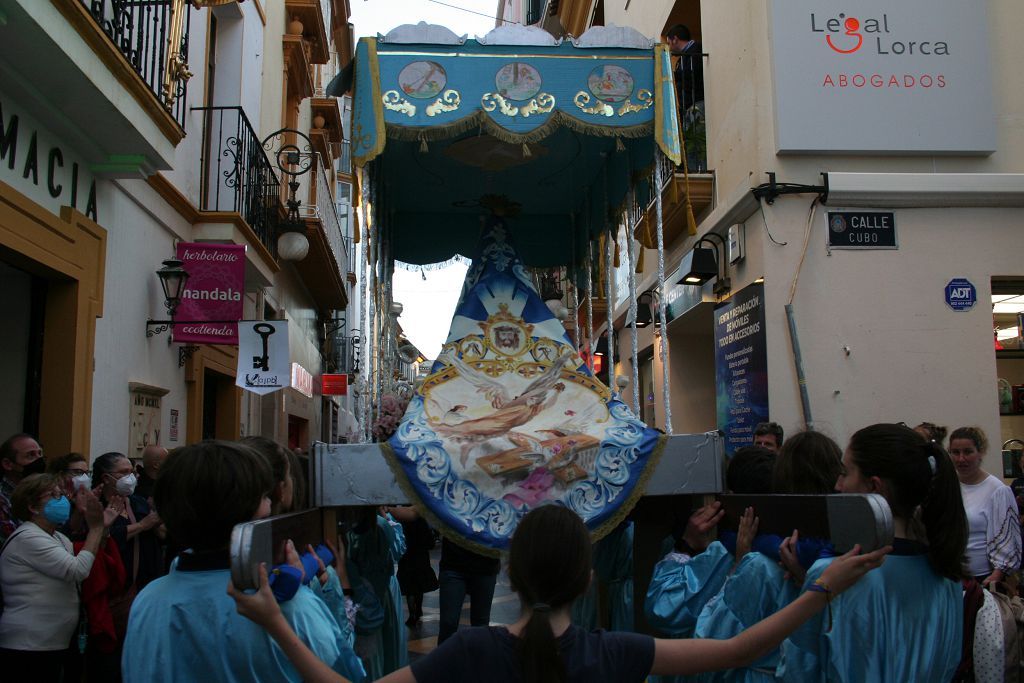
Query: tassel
(526, 151)
(423, 146)
(423, 273)
(616, 262)
(619, 147)
(640, 260)
(691, 222)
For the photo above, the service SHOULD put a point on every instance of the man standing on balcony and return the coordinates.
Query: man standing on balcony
(689, 70)
(689, 77)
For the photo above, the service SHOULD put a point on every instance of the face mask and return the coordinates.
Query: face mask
(125, 486)
(37, 466)
(57, 511)
(82, 481)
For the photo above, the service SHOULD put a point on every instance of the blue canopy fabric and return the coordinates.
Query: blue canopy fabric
(559, 132)
(511, 418)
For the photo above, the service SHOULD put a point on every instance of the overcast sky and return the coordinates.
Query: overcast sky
(429, 304)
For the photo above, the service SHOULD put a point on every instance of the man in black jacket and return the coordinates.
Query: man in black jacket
(689, 71)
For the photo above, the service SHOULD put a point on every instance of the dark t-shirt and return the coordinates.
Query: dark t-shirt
(488, 653)
(457, 559)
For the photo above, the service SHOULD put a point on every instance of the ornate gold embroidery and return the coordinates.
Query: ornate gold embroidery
(582, 99)
(448, 101)
(646, 101)
(393, 101)
(491, 101)
(542, 104)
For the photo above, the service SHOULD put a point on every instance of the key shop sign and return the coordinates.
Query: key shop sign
(878, 76)
(264, 365)
(212, 300)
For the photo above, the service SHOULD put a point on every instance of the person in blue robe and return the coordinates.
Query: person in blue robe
(374, 546)
(903, 622)
(808, 463)
(184, 627)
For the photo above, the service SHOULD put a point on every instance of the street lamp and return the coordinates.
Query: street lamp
(173, 278)
(292, 161)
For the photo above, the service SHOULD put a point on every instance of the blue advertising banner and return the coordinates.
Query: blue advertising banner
(741, 366)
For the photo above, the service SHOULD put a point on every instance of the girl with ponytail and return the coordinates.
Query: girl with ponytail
(918, 589)
(549, 566)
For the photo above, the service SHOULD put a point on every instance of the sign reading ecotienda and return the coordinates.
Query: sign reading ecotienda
(861, 76)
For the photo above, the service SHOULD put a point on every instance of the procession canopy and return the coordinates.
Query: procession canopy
(511, 418)
(562, 129)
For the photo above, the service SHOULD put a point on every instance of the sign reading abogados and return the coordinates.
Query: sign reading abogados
(862, 76)
(212, 301)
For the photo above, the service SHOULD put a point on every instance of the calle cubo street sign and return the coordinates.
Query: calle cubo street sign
(861, 230)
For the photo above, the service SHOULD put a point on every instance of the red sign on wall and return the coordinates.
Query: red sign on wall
(334, 385)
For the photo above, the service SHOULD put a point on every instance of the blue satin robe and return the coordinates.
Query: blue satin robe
(679, 591)
(375, 555)
(184, 628)
(900, 622)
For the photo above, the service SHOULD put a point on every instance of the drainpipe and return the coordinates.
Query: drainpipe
(805, 400)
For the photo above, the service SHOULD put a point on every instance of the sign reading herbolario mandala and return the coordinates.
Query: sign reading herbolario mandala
(863, 76)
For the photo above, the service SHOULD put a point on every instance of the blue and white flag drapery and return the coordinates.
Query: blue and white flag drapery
(511, 417)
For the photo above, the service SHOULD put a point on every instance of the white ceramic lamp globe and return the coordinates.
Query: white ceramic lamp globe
(292, 246)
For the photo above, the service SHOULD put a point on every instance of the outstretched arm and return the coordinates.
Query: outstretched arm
(696, 656)
(262, 608)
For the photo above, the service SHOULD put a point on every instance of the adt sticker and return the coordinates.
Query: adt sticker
(961, 295)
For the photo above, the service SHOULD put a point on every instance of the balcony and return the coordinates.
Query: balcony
(315, 17)
(327, 263)
(118, 65)
(345, 158)
(701, 191)
(239, 198)
(326, 133)
(345, 353)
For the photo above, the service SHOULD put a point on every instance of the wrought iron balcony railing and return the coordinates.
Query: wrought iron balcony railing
(237, 176)
(322, 206)
(152, 35)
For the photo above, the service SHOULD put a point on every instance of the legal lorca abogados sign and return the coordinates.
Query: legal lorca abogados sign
(882, 76)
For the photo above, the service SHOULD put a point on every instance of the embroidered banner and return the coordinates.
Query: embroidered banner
(511, 418)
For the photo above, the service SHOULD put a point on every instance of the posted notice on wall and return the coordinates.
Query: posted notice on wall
(264, 365)
(741, 366)
(212, 299)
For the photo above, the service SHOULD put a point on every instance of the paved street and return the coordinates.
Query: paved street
(423, 638)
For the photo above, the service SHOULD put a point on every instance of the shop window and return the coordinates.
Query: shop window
(1008, 317)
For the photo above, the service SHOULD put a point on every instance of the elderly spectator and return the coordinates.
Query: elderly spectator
(20, 456)
(152, 458)
(40, 576)
(134, 530)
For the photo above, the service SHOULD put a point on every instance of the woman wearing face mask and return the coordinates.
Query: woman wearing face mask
(39, 575)
(134, 531)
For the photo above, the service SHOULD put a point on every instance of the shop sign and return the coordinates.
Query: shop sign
(301, 380)
(212, 299)
(264, 365)
(741, 366)
(879, 76)
(961, 294)
(334, 385)
(172, 428)
(861, 230)
(37, 165)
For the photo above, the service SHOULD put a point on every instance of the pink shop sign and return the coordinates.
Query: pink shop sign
(213, 294)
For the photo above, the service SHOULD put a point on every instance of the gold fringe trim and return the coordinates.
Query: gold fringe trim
(458, 539)
(483, 121)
